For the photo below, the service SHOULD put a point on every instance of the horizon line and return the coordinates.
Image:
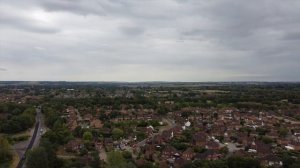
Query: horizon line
(70, 81)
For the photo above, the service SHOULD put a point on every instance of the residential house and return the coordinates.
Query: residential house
(96, 124)
(166, 135)
(199, 139)
(108, 143)
(271, 160)
(73, 145)
(212, 145)
(208, 155)
(168, 152)
(157, 139)
(188, 154)
(295, 145)
(261, 148)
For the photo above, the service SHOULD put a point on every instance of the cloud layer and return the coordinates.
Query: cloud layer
(133, 40)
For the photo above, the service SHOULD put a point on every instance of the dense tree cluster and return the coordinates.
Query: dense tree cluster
(19, 119)
(59, 134)
(267, 96)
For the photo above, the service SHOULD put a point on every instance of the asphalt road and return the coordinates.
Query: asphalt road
(34, 141)
(41, 128)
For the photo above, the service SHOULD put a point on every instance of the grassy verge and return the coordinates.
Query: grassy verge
(15, 160)
(18, 137)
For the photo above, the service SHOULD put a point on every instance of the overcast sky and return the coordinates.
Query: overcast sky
(150, 40)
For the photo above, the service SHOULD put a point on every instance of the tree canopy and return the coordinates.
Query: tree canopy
(37, 158)
(117, 133)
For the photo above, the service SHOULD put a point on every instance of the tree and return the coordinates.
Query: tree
(115, 159)
(87, 136)
(215, 115)
(186, 114)
(266, 139)
(127, 155)
(296, 164)
(290, 159)
(50, 148)
(50, 116)
(141, 135)
(77, 132)
(262, 131)
(5, 154)
(224, 150)
(18, 122)
(187, 164)
(245, 162)
(37, 158)
(242, 122)
(96, 160)
(59, 135)
(117, 133)
(162, 110)
(283, 132)
(199, 149)
(220, 163)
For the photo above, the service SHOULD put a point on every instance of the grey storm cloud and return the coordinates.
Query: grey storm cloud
(131, 31)
(76, 6)
(292, 36)
(3, 69)
(132, 40)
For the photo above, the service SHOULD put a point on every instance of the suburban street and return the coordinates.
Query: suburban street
(22, 147)
(41, 127)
